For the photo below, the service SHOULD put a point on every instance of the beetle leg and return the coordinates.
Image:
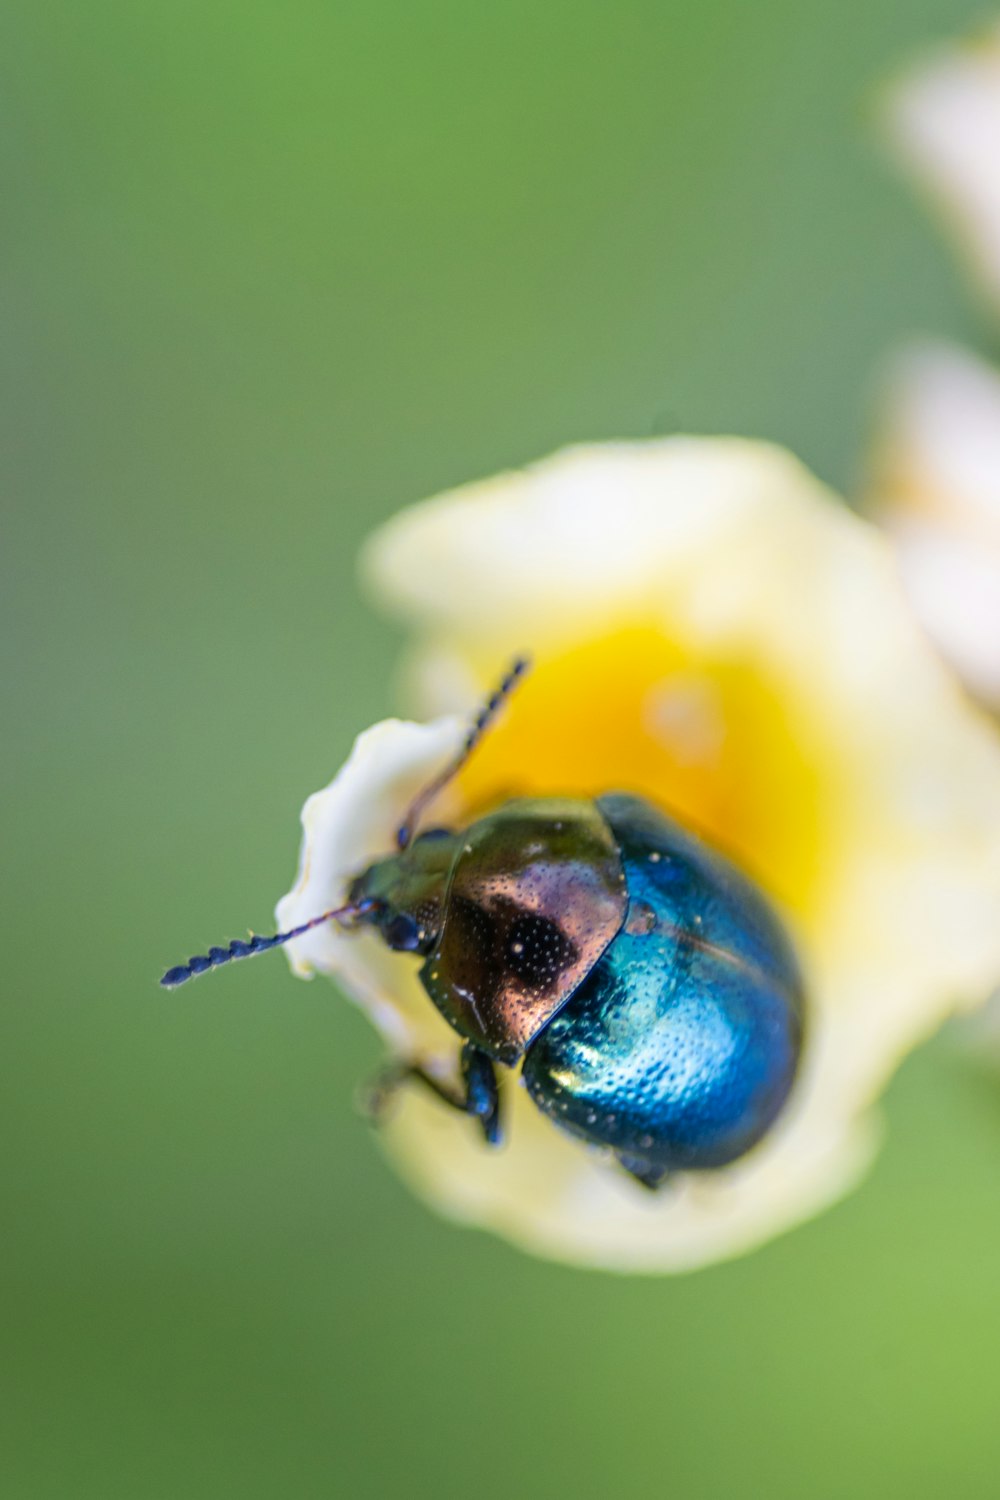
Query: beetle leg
(376, 1097)
(482, 1093)
(481, 1098)
(644, 1172)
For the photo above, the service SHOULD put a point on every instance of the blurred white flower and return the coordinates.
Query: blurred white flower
(944, 120)
(935, 484)
(710, 628)
(935, 476)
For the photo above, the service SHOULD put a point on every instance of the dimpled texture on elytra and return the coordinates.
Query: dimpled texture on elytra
(680, 1046)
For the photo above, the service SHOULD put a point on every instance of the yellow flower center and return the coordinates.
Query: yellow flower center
(708, 740)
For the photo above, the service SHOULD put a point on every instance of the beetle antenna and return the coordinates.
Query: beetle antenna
(477, 729)
(216, 957)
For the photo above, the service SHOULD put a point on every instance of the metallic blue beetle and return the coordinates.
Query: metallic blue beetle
(643, 984)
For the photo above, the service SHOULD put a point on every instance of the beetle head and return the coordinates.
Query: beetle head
(403, 894)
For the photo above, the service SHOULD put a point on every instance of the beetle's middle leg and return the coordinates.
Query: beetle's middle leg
(481, 1098)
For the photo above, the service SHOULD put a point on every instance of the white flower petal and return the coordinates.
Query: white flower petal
(944, 118)
(347, 826)
(548, 1195)
(936, 487)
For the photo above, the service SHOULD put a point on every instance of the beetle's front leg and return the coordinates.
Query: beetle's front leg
(481, 1091)
(481, 1098)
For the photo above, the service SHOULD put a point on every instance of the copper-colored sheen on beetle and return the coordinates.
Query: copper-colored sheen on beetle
(531, 907)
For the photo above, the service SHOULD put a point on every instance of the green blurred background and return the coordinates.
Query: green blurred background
(270, 272)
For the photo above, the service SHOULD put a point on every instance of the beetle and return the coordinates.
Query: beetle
(644, 986)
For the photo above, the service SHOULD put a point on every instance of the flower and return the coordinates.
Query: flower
(935, 485)
(943, 118)
(935, 478)
(710, 628)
